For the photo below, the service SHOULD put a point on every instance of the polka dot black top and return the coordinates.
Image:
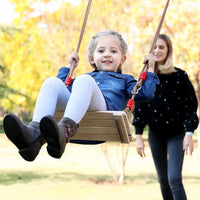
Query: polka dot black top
(173, 109)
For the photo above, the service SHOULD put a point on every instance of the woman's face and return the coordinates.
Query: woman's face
(160, 52)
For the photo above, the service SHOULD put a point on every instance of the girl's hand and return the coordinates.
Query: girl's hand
(188, 144)
(73, 59)
(151, 62)
(140, 145)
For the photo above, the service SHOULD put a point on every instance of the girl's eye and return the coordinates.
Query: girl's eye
(114, 51)
(100, 51)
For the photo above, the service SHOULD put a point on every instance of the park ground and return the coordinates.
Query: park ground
(83, 173)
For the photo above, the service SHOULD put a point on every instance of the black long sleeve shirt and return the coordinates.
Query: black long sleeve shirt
(172, 110)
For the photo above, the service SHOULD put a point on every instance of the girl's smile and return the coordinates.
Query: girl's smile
(107, 55)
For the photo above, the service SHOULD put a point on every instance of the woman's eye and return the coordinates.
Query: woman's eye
(161, 47)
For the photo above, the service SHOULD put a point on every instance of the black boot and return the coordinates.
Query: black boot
(27, 139)
(57, 134)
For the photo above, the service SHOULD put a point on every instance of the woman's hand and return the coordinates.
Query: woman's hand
(140, 145)
(188, 144)
(151, 62)
(73, 60)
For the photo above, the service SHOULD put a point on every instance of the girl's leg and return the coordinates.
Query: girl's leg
(53, 94)
(175, 164)
(85, 96)
(159, 153)
(28, 139)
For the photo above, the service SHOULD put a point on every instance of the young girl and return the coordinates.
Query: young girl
(172, 118)
(106, 88)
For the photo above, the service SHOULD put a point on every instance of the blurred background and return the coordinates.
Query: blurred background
(36, 39)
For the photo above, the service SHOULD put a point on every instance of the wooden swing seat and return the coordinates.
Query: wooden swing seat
(102, 126)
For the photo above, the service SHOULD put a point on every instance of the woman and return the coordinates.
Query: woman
(171, 118)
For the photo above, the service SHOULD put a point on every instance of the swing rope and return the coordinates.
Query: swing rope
(143, 74)
(68, 80)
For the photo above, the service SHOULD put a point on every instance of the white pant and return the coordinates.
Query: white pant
(54, 95)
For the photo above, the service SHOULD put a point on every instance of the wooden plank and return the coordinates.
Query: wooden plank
(98, 130)
(122, 129)
(97, 122)
(93, 115)
(94, 137)
(102, 126)
(128, 128)
(99, 115)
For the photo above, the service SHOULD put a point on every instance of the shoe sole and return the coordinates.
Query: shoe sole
(13, 130)
(49, 130)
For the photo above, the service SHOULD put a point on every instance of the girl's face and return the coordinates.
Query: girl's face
(107, 55)
(160, 52)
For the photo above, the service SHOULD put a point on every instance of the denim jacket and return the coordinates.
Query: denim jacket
(116, 87)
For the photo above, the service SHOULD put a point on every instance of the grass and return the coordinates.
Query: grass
(84, 174)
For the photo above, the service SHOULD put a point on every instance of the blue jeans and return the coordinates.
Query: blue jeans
(168, 155)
